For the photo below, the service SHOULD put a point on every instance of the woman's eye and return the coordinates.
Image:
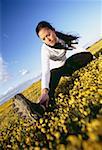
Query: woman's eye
(43, 39)
(48, 35)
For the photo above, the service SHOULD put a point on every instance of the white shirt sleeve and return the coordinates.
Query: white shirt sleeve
(45, 63)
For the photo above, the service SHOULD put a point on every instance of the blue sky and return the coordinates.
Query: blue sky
(19, 45)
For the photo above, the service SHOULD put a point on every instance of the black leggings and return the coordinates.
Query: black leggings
(72, 64)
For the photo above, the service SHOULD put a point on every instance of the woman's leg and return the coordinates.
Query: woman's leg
(72, 64)
(55, 75)
(76, 62)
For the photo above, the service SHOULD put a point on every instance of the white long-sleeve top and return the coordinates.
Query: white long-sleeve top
(54, 58)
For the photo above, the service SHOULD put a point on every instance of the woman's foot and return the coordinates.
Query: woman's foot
(26, 108)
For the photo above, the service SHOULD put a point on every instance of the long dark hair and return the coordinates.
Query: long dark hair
(67, 38)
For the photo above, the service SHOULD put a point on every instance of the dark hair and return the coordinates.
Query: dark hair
(68, 38)
(43, 24)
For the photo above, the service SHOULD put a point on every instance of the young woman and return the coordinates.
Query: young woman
(54, 61)
(55, 64)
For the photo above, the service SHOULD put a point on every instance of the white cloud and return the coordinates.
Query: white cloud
(4, 75)
(24, 72)
(8, 90)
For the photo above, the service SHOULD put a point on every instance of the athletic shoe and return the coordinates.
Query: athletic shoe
(26, 108)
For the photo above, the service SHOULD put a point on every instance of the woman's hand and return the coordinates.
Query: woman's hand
(44, 98)
(44, 91)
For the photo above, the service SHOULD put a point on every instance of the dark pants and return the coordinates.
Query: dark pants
(72, 64)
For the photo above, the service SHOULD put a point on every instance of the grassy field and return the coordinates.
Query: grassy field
(75, 125)
(96, 48)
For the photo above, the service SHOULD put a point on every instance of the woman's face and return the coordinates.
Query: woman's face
(48, 36)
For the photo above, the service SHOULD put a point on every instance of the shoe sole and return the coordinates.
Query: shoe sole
(21, 107)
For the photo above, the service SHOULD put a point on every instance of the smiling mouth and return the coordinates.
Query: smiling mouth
(52, 43)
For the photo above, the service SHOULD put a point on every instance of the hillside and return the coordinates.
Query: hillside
(75, 125)
(96, 48)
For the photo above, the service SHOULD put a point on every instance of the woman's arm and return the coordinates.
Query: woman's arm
(45, 63)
